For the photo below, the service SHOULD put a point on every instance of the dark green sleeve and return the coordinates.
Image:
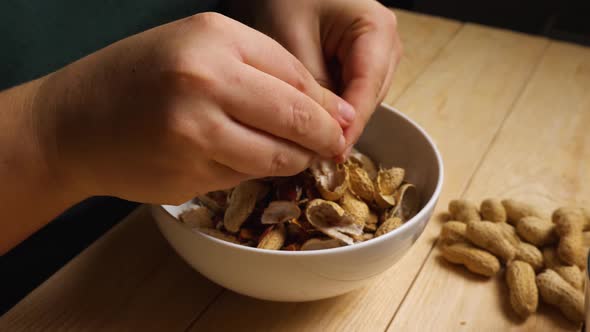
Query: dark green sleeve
(40, 36)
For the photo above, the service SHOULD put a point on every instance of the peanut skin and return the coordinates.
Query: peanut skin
(492, 209)
(524, 295)
(492, 237)
(537, 231)
(474, 259)
(464, 210)
(556, 291)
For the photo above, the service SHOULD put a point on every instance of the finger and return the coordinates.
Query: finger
(267, 55)
(222, 176)
(395, 59)
(271, 105)
(365, 69)
(249, 151)
(305, 44)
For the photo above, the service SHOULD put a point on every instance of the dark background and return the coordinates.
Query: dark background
(564, 20)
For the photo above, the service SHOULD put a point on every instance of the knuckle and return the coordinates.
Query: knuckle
(211, 132)
(279, 164)
(300, 119)
(184, 69)
(302, 78)
(209, 20)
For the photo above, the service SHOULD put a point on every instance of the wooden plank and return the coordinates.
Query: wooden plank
(542, 155)
(130, 279)
(146, 286)
(461, 99)
(423, 38)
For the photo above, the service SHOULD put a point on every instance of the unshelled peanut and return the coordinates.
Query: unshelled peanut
(492, 209)
(474, 259)
(556, 291)
(524, 296)
(528, 253)
(537, 231)
(463, 210)
(570, 273)
(492, 237)
(516, 210)
(569, 225)
(453, 232)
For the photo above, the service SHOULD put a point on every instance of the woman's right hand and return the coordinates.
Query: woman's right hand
(196, 105)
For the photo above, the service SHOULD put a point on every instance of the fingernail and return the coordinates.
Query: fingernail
(346, 111)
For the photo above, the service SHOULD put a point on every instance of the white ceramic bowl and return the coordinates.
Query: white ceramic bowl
(391, 139)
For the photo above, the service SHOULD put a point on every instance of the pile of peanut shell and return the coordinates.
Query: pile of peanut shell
(543, 255)
(329, 205)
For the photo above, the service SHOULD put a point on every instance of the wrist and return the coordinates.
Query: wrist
(42, 112)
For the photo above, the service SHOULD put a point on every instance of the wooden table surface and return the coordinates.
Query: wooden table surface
(511, 115)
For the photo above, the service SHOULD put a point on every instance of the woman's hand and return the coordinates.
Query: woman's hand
(196, 105)
(350, 46)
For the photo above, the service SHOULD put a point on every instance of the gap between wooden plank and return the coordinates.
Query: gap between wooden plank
(472, 176)
(528, 175)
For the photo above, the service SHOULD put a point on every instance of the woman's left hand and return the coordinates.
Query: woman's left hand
(349, 46)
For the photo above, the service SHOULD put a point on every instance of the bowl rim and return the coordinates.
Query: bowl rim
(403, 228)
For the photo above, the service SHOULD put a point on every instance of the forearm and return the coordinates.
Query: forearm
(31, 191)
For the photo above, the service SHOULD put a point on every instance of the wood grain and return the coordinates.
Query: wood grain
(541, 155)
(461, 99)
(423, 38)
(128, 280)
